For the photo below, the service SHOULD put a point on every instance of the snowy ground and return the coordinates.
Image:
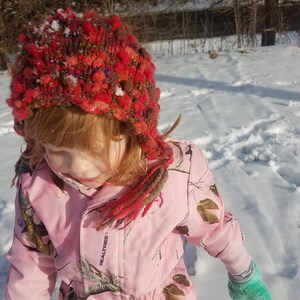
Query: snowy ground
(243, 109)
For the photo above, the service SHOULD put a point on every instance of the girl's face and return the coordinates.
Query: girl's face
(83, 167)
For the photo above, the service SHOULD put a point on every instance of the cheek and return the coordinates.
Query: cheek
(100, 166)
(56, 162)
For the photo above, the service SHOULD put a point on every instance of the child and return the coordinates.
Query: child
(103, 199)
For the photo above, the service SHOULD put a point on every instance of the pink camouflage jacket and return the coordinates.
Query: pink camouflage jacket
(55, 235)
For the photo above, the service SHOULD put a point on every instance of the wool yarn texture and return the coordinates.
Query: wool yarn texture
(95, 63)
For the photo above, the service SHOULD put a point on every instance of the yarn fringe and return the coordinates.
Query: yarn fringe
(124, 210)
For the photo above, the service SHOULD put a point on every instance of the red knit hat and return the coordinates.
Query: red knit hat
(94, 63)
(91, 62)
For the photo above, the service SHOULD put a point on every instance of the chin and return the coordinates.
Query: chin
(93, 185)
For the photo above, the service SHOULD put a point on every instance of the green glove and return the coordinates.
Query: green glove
(248, 286)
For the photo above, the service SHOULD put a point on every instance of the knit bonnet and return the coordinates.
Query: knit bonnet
(95, 63)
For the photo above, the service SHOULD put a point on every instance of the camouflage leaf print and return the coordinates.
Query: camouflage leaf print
(204, 207)
(70, 296)
(170, 297)
(181, 279)
(184, 230)
(214, 189)
(35, 231)
(171, 291)
(179, 161)
(100, 282)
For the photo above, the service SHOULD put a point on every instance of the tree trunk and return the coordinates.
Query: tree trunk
(238, 21)
(268, 37)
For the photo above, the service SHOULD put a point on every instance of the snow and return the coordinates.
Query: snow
(55, 25)
(243, 110)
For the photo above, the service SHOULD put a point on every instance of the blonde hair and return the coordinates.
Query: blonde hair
(73, 128)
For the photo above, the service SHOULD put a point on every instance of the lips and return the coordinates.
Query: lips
(87, 179)
(83, 179)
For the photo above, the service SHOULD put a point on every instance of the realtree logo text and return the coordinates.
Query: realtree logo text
(104, 248)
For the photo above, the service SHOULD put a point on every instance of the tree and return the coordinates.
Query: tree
(268, 37)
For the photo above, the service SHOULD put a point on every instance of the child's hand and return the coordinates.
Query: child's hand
(249, 289)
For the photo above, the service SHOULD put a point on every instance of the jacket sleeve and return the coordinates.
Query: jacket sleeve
(207, 223)
(32, 274)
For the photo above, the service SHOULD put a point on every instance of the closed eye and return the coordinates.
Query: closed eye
(55, 152)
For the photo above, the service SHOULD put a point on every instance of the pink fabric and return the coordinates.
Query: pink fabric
(142, 261)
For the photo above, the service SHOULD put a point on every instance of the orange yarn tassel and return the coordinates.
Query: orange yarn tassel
(140, 198)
